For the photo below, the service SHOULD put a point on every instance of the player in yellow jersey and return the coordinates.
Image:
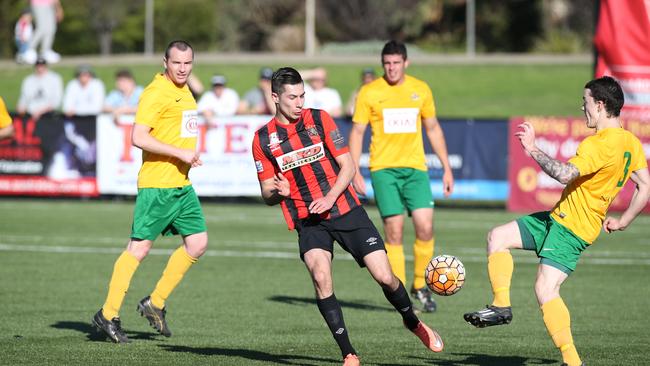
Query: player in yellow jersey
(166, 131)
(6, 125)
(398, 108)
(593, 178)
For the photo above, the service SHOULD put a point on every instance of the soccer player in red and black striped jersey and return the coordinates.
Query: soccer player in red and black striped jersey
(303, 163)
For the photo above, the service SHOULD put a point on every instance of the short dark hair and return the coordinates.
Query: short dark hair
(607, 90)
(284, 76)
(124, 73)
(394, 47)
(180, 45)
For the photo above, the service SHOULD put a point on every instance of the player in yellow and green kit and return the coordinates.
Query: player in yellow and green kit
(398, 108)
(602, 165)
(6, 126)
(166, 131)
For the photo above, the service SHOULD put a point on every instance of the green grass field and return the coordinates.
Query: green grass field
(477, 91)
(249, 300)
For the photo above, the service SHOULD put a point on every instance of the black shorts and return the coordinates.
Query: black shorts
(354, 232)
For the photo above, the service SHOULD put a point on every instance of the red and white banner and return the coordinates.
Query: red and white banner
(228, 168)
(623, 44)
(533, 190)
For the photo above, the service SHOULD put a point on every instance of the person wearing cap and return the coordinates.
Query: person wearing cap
(124, 98)
(367, 75)
(84, 95)
(40, 92)
(258, 100)
(220, 101)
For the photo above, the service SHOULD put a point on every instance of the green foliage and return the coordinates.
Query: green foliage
(562, 42)
(249, 301)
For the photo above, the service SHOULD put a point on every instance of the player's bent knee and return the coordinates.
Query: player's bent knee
(386, 280)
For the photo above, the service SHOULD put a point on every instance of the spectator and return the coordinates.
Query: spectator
(258, 100)
(124, 98)
(218, 102)
(319, 96)
(40, 92)
(367, 75)
(47, 13)
(23, 34)
(84, 95)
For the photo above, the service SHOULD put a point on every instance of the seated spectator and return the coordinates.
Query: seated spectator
(23, 34)
(84, 95)
(218, 102)
(367, 75)
(319, 96)
(124, 98)
(40, 92)
(258, 100)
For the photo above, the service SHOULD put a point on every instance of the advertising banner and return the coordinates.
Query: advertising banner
(622, 39)
(54, 156)
(533, 190)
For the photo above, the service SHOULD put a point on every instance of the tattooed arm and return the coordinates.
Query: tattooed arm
(562, 172)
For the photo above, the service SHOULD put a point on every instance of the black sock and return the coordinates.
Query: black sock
(330, 309)
(401, 302)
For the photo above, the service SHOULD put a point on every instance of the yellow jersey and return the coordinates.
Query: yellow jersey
(171, 113)
(395, 115)
(5, 118)
(605, 161)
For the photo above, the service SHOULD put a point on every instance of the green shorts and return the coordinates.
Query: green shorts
(556, 245)
(167, 211)
(396, 188)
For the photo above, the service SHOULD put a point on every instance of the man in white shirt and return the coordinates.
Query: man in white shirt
(84, 95)
(218, 102)
(40, 92)
(319, 96)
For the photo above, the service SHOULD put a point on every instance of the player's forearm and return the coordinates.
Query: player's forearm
(149, 143)
(343, 179)
(638, 202)
(6, 132)
(437, 140)
(354, 145)
(562, 172)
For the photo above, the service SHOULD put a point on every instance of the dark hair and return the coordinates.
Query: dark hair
(284, 76)
(178, 44)
(124, 73)
(394, 48)
(608, 91)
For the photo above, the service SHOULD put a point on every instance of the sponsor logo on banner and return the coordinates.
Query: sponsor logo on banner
(300, 157)
(190, 124)
(400, 120)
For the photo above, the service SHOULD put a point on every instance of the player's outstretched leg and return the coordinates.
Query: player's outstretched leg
(154, 315)
(491, 315)
(111, 328)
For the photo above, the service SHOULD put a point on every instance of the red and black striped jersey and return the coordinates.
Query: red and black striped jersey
(305, 153)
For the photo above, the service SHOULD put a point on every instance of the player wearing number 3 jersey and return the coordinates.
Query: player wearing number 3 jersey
(602, 165)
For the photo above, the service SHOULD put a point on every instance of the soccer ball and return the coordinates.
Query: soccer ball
(445, 275)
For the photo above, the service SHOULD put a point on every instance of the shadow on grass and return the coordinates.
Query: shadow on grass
(250, 355)
(478, 360)
(292, 300)
(94, 335)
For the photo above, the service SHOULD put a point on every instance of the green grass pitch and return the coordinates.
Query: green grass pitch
(249, 300)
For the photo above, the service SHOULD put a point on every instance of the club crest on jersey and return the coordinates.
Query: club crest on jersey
(415, 96)
(312, 131)
(300, 157)
(274, 141)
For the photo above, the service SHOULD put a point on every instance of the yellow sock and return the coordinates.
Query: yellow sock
(558, 323)
(500, 267)
(123, 270)
(422, 254)
(177, 266)
(395, 254)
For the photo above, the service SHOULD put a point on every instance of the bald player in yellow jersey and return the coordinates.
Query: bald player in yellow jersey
(398, 108)
(6, 125)
(602, 165)
(166, 131)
